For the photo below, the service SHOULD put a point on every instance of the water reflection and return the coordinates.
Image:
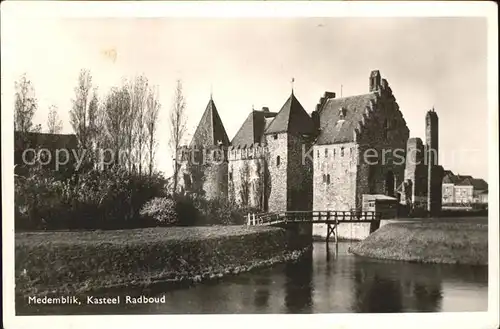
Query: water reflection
(299, 285)
(326, 280)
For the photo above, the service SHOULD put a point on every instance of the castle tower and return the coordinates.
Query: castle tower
(209, 144)
(290, 177)
(434, 174)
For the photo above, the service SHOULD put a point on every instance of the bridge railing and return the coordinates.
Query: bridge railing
(312, 216)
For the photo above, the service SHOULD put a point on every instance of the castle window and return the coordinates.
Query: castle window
(318, 154)
(275, 136)
(230, 176)
(324, 178)
(341, 151)
(326, 152)
(328, 179)
(334, 152)
(278, 161)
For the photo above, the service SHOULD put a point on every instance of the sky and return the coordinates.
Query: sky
(249, 63)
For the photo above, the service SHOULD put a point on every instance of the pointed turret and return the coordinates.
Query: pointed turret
(210, 130)
(292, 118)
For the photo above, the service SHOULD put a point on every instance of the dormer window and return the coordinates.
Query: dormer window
(342, 113)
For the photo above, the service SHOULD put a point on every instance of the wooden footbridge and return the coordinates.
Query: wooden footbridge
(331, 218)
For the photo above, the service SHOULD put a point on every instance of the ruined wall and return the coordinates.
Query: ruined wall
(277, 147)
(416, 171)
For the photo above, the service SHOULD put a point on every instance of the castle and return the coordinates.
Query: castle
(289, 160)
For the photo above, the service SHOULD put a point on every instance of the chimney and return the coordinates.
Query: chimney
(328, 95)
(265, 109)
(375, 81)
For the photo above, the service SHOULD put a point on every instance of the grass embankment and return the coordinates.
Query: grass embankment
(428, 242)
(78, 262)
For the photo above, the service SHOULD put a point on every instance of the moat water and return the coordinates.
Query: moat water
(327, 280)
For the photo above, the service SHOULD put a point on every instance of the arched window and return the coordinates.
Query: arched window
(328, 179)
(342, 151)
(278, 161)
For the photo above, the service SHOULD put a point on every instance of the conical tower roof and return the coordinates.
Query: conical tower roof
(210, 130)
(292, 118)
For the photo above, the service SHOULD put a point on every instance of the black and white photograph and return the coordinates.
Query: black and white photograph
(250, 159)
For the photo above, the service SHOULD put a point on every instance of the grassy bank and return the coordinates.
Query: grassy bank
(78, 262)
(428, 242)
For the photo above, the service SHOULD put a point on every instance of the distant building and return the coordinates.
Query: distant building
(45, 146)
(463, 189)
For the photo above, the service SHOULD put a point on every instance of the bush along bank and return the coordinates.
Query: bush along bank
(81, 262)
(428, 242)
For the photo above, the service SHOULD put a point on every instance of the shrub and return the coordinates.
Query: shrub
(94, 199)
(162, 210)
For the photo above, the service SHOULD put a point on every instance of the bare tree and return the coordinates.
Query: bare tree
(25, 105)
(177, 122)
(117, 106)
(79, 113)
(136, 120)
(54, 124)
(151, 120)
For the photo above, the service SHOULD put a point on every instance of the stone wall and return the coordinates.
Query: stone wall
(299, 176)
(277, 145)
(335, 176)
(381, 150)
(246, 181)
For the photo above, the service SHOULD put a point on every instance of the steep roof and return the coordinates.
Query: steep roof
(292, 118)
(465, 180)
(449, 177)
(479, 184)
(252, 130)
(210, 130)
(333, 131)
(45, 140)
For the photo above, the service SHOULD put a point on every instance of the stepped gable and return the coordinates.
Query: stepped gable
(339, 126)
(252, 130)
(210, 130)
(292, 118)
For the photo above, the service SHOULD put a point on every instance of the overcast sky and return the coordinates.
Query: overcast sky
(428, 62)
